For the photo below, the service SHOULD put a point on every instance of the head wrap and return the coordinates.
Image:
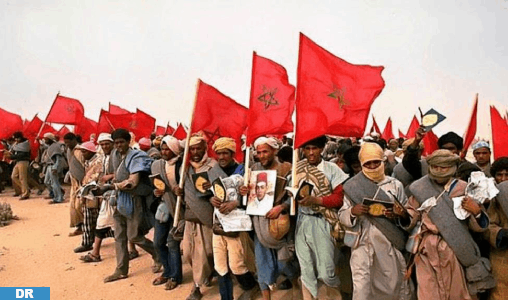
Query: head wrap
(372, 152)
(409, 142)
(196, 139)
(270, 141)
(481, 144)
(442, 158)
(104, 137)
(451, 137)
(50, 136)
(145, 142)
(224, 143)
(173, 144)
(157, 141)
(89, 146)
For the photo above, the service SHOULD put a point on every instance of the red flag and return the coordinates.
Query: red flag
(66, 111)
(387, 132)
(217, 115)
(401, 135)
(169, 130)
(63, 131)
(333, 96)
(109, 122)
(429, 143)
(375, 127)
(411, 131)
(86, 129)
(142, 124)
(272, 100)
(161, 130)
(47, 128)
(10, 124)
(32, 128)
(471, 129)
(180, 132)
(499, 133)
(117, 110)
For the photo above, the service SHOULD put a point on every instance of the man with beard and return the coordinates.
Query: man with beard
(132, 184)
(168, 249)
(274, 256)
(77, 172)
(197, 239)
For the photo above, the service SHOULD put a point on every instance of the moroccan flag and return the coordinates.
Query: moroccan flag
(272, 100)
(430, 143)
(375, 127)
(169, 129)
(217, 115)
(63, 131)
(471, 128)
(117, 110)
(32, 128)
(160, 130)
(411, 131)
(333, 96)
(47, 128)
(499, 133)
(142, 124)
(401, 135)
(180, 132)
(86, 129)
(109, 122)
(387, 132)
(66, 111)
(10, 123)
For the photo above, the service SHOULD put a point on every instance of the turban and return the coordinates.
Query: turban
(50, 136)
(481, 144)
(173, 144)
(145, 142)
(270, 141)
(409, 142)
(372, 152)
(104, 137)
(157, 141)
(224, 143)
(89, 146)
(451, 137)
(442, 158)
(196, 139)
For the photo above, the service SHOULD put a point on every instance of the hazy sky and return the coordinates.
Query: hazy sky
(149, 54)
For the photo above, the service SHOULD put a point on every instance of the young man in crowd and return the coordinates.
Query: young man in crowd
(76, 164)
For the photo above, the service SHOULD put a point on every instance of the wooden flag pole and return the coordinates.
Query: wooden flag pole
(292, 208)
(184, 167)
(42, 126)
(246, 176)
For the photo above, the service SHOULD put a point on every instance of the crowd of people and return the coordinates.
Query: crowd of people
(380, 221)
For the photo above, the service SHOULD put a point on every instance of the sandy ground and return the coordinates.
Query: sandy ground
(36, 251)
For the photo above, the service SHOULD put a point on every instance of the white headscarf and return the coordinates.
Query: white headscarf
(270, 141)
(173, 144)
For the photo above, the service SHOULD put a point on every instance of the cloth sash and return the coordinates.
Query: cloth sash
(502, 197)
(360, 187)
(260, 223)
(22, 147)
(159, 167)
(197, 205)
(454, 231)
(75, 167)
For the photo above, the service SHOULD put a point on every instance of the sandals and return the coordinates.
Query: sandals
(89, 258)
(171, 284)
(115, 277)
(160, 280)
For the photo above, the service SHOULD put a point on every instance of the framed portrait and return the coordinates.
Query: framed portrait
(262, 191)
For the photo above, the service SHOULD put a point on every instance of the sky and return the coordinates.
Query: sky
(149, 54)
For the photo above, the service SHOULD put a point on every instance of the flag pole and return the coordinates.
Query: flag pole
(42, 126)
(246, 176)
(183, 169)
(292, 207)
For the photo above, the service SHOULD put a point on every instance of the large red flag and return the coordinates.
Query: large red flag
(169, 129)
(32, 128)
(471, 129)
(430, 143)
(109, 122)
(387, 132)
(66, 111)
(10, 123)
(87, 128)
(180, 132)
(272, 100)
(333, 96)
(401, 135)
(499, 133)
(375, 127)
(411, 131)
(47, 128)
(63, 131)
(217, 115)
(160, 130)
(142, 124)
(117, 110)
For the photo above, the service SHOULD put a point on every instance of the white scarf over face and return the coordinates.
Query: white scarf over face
(370, 152)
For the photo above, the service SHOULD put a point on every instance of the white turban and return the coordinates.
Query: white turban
(104, 137)
(270, 141)
(196, 139)
(173, 144)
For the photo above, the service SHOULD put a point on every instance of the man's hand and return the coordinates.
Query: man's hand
(228, 207)
(216, 202)
(471, 206)
(244, 190)
(106, 178)
(274, 212)
(158, 193)
(177, 191)
(419, 135)
(207, 185)
(310, 200)
(359, 209)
